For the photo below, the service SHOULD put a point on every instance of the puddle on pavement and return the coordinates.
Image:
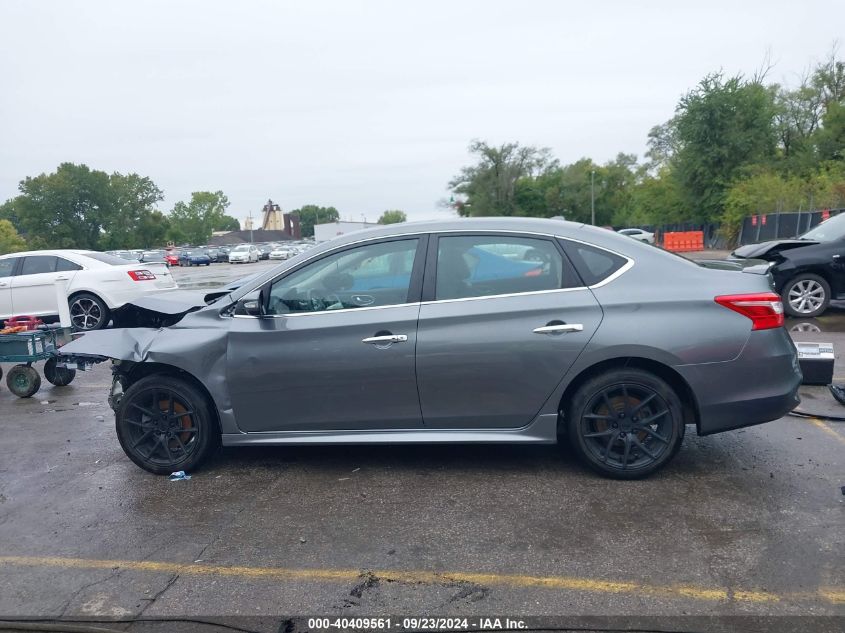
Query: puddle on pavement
(832, 321)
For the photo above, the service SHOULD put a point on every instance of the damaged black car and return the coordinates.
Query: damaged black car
(809, 271)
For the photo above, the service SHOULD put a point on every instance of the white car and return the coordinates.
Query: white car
(97, 283)
(638, 234)
(244, 254)
(283, 252)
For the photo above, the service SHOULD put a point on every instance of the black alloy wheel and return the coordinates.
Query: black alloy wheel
(164, 424)
(626, 423)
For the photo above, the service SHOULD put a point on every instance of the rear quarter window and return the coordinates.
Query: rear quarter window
(593, 264)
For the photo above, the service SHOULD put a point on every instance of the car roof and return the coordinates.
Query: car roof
(48, 252)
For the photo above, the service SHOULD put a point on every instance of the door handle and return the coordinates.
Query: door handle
(559, 329)
(385, 340)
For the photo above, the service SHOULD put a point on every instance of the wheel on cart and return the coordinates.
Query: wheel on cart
(59, 376)
(23, 381)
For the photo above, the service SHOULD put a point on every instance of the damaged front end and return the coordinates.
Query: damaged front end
(176, 333)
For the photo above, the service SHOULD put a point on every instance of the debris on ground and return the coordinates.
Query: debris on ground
(179, 475)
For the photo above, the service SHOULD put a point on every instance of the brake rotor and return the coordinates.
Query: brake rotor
(618, 406)
(184, 421)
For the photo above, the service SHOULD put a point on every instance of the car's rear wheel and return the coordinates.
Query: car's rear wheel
(165, 424)
(806, 295)
(625, 423)
(88, 312)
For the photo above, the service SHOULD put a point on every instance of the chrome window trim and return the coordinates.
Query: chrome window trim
(622, 270)
(506, 295)
(342, 310)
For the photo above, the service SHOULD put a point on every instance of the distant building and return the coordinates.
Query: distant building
(324, 232)
(247, 224)
(245, 237)
(273, 220)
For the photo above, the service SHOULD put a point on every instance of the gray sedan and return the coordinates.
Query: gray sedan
(480, 331)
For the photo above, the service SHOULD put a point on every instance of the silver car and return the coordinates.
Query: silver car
(479, 331)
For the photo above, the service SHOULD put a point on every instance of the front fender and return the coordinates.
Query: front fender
(198, 351)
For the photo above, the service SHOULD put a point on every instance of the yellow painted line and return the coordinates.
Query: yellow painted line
(827, 429)
(836, 596)
(830, 594)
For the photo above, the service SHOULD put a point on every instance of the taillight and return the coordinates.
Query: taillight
(765, 309)
(535, 272)
(141, 275)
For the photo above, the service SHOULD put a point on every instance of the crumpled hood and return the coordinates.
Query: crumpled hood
(172, 302)
(119, 344)
(769, 249)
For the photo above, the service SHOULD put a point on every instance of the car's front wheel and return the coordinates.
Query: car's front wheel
(88, 312)
(165, 424)
(625, 423)
(806, 295)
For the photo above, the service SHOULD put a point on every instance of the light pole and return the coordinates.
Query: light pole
(593, 196)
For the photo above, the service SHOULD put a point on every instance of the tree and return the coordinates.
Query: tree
(10, 241)
(129, 221)
(720, 126)
(193, 222)
(311, 214)
(227, 223)
(77, 207)
(393, 217)
(489, 186)
(65, 209)
(830, 138)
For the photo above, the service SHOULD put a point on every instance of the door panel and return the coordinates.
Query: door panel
(319, 359)
(312, 372)
(480, 364)
(33, 289)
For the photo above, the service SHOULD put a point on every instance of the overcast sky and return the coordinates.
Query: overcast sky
(365, 106)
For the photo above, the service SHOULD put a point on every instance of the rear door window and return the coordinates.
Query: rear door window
(37, 264)
(484, 265)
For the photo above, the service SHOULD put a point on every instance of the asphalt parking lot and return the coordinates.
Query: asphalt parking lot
(743, 523)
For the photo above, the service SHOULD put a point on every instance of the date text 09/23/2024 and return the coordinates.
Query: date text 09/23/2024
(415, 624)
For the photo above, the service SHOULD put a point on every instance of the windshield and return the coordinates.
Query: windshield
(105, 258)
(240, 249)
(827, 231)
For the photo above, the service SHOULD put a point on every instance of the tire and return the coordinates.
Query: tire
(58, 376)
(162, 445)
(806, 295)
(23, 381)
(621, 445)
(88, 312)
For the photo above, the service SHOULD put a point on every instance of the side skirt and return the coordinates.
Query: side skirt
(543, 430)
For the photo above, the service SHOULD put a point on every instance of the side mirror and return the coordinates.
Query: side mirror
(251, 305)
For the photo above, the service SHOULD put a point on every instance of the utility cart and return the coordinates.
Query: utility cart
(32, 346)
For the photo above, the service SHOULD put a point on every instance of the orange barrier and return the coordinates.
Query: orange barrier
(683, 241)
